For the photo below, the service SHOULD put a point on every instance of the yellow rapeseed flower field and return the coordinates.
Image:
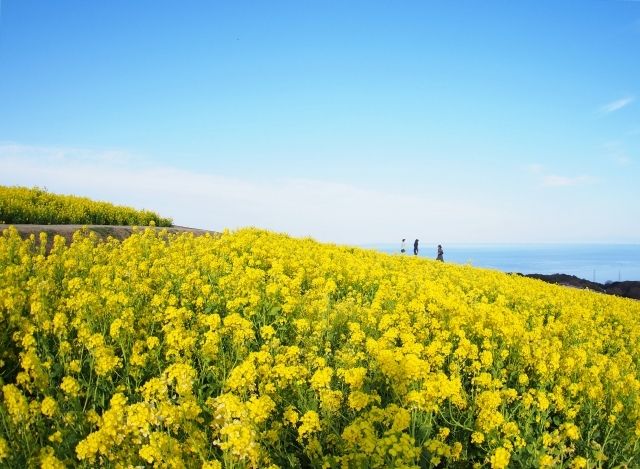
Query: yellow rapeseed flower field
(37, 206)
(254, 349)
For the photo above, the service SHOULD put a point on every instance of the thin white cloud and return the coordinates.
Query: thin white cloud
(554, 180)
(616, 151)
(326, 210)
(616, 105)
(622, 160)
(535, 168)
(66, 154)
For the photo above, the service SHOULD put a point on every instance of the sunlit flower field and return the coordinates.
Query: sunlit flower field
(254, 349)
(35, 205)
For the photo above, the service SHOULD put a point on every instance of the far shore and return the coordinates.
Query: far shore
(626, 289)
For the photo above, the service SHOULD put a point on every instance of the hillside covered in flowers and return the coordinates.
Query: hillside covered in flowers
(38, 206)
(254, 349)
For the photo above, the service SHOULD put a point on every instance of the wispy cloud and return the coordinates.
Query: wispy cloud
(326, 210)
(622, 160)
(555, 180)
(616, 105)
(616, 151)
(66, 154)
(549, 179)
(535, 168)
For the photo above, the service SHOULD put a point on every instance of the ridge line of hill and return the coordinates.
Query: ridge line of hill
(119, 232)
(626, 289)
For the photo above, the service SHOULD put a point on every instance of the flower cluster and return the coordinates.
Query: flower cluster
(254, 349)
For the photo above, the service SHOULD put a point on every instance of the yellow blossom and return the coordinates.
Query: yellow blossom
(500, 458)
(16, 403)
(309, 424)
(49, 406)
(4, 449)
(70, 386)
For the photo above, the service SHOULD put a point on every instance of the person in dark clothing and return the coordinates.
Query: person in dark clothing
(440, 254)
(402, 249)
(415, 247)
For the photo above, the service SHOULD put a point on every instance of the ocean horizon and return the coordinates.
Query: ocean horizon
(595, 262)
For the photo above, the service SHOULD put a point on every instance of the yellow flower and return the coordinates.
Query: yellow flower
(291, 416)
(60, 322)
(547, 461)
(486, 358)
(74, 366)
(116, 326)
(4, 449)
(579, 463)
(543, 402)
(182, 376)
(267, 332)
(358, 400)
(238, 439)
(500, 458)
(571, 431)
(211, 465)
(16, 403)
(309, 424)
(321, 378)
(330, 400)
(401, 419)
(443, 433)
(49, 406)
(354, 377)
(48, 459)
(243, 376)
(152, 342)
(70, 386)
(260, 408)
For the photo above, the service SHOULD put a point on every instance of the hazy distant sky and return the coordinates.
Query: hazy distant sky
(348, 121)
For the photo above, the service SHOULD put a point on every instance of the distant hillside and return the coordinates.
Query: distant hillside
(22, 205)
(103, 231)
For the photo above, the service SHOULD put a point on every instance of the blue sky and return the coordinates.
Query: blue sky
(347, 121)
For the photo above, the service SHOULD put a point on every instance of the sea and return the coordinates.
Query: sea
(596, 262)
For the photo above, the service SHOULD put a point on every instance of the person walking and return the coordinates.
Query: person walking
(440, 254)
(415, 247)
(402, 246)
